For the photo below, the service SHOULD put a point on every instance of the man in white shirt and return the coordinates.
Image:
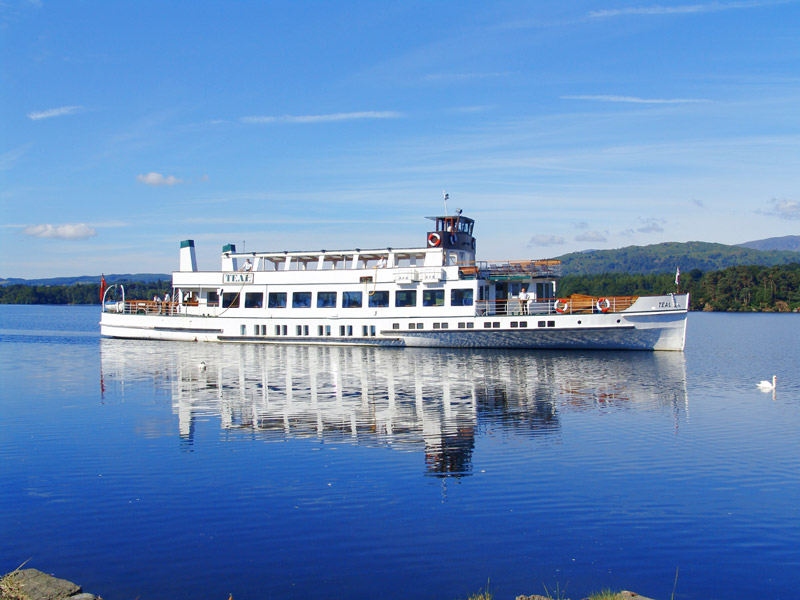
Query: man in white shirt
(523, 301)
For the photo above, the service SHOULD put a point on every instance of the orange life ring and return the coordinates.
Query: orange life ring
(434, 239)
(603, 304)
(561, 305)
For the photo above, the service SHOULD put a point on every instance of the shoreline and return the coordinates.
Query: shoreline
(32, 584)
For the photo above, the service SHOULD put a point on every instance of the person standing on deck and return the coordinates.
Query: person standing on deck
(523, 301)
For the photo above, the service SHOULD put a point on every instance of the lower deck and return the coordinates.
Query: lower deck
(657, 324)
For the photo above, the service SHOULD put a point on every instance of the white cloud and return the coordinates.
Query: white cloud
(54, 112)
(591, 236)
(153, 178)
(678, 10)
(546, 240)
(651, 225)
(77, 231)
(786, 209)
(322, 118)
(635, 99)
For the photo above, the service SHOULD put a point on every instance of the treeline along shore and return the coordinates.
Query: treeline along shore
(736, 289)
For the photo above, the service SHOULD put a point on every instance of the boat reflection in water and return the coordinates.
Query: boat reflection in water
(422, 400)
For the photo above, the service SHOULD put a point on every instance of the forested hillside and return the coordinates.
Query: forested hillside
(666, 257)
(745, 288)
(79, 293)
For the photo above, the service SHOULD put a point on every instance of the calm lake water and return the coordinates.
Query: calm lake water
(300, 472)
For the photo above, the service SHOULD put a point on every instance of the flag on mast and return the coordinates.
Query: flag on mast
(102, 286)
(678, 276)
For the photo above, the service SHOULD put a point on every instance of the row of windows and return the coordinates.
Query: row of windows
(376, 299)
(303, 330)
(370, 330)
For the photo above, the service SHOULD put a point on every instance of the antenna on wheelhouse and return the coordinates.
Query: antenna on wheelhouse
(446, 197)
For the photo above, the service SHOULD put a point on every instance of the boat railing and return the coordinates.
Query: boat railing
(148, 307)
(576, 304)
(512, 269)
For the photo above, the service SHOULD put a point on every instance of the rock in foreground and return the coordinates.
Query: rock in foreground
(31, 584)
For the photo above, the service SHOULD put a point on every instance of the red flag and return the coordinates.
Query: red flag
(102, 287)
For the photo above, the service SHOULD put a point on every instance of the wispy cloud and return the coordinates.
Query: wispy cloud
(7, 159)
(153, 178)
(77, 231)
(591, 236)
(454, 77)
(546, 240)
(350, 116)
(679, 10)
(784, 209)
(635, 99)
(54, 112)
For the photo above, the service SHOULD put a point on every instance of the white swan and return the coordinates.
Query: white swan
(765, 385)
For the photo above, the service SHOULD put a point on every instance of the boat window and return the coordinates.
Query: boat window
(461, 297)
(405, 298)
(432, 297)
(276, 300)
(254, 300)
(351, 299)
(230, 299)
(379, 298)
(212, 298)
(326, 300)
(301, 300)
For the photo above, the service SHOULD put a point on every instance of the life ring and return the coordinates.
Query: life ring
(603, 304)
(434, 239)
(561, 305)
(453, 239)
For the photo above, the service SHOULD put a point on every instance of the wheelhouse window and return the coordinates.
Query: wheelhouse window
(351, 299)
(405, 298)
(432, 297)
(379, 299)
(276, 300)
(461, 298)
(326, 300)
(301, 300)
(212, 298)
(230, 300)
(254, 300)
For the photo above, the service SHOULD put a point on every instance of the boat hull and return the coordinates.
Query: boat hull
(634, 330)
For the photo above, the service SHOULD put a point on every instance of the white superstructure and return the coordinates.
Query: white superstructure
(436, 295)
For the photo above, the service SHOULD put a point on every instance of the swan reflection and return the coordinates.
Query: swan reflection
(422, 400)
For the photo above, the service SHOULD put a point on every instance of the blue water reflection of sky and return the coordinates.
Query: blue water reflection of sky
(280, 471)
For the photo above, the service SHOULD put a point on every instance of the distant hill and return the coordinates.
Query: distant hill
(666, 257)
(113, 278)
(787, 242)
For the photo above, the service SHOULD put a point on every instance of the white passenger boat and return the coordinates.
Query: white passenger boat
(434, 295)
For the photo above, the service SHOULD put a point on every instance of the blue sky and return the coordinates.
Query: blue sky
(559, 126)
